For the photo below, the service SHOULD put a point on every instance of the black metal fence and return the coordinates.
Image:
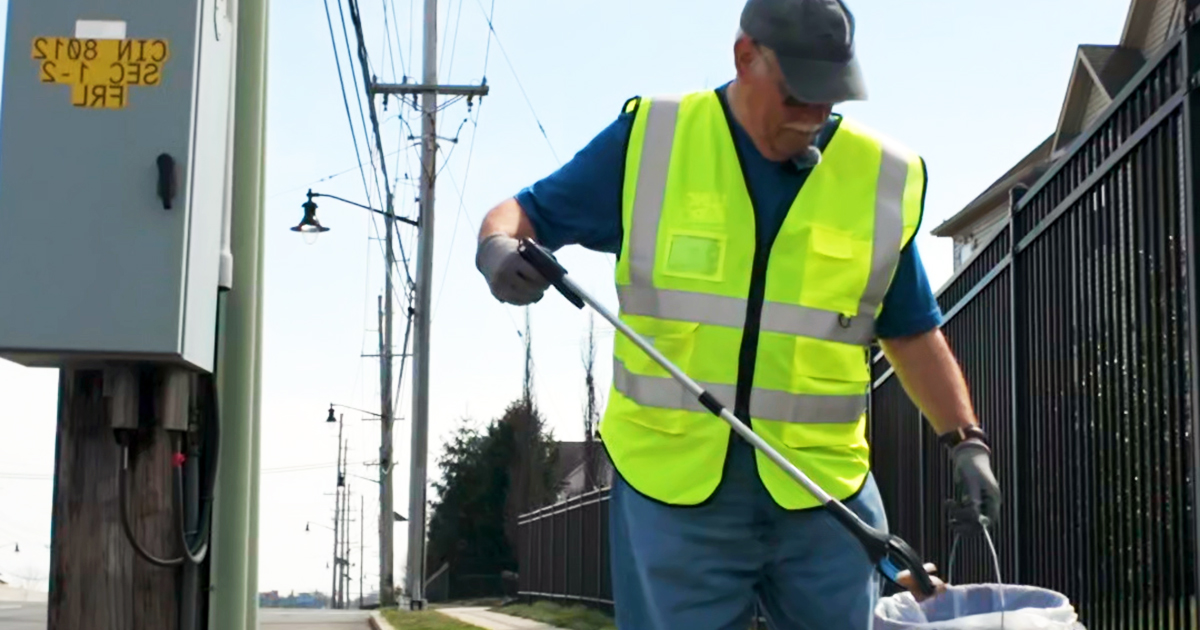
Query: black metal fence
(1076, 329)
(562, 550)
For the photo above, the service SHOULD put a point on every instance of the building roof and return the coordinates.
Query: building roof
(570, 457)
(1114, 66)
(1097, 67)
(1024, 172)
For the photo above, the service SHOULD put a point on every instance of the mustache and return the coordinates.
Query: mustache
(802, 128)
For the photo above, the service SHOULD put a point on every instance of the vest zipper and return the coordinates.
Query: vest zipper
(748, 353)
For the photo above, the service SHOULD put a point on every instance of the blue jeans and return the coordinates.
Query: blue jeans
(704, 567)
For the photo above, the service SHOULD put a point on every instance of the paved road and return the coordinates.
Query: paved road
(17, 616)
(311, 619)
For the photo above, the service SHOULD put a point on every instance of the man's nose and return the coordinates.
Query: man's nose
(809, 114)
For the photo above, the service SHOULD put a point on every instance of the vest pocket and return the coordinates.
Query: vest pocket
(649, 396)
(836, 270)
(675, 340)
(695, 255)
(666, 421)
(844, 434)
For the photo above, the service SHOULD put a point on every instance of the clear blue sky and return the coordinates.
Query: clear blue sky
(972, 86)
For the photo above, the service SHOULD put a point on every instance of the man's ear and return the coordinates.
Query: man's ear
(744, 54)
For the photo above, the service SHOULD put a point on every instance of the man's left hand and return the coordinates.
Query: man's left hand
(978, 490)
(906, 580)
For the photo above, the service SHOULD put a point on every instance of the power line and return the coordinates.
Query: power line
(364, 64)
(453, 44)
(346, 101)
(327, 177)
(346, 104)
(487, 50)
(387, 40)
(516, 327)
(541, 127)
(399, 46)
(466, 174)
(461, 212)
(358, 92)
(24, 476)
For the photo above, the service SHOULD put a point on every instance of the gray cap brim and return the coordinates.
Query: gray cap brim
(818, 81)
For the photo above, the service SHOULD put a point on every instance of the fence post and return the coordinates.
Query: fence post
(599, 558)
(1191, 169)
(1015, 194)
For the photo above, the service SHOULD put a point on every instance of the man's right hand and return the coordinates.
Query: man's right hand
(511, 278)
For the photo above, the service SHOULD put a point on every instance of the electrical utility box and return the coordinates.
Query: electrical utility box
(114, 145)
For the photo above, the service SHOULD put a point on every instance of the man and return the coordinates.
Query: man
(763, 242)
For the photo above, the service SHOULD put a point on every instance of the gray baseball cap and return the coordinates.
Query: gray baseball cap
(814, 42)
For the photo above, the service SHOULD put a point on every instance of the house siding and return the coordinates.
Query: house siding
(1097, 101)
(1162, 23)
(968, 244)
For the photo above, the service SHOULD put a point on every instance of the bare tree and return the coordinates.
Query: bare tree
(527, 385)
(531, 473)
(591, 412)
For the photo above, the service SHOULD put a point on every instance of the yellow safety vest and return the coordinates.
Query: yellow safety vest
(685, 279)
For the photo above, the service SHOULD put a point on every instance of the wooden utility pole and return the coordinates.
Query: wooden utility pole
(337, 495)
(342, 546)
(428, 89)
(362, 545)
(98, 580)
(130, 524)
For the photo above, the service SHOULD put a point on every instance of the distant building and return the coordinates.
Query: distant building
(569, 471)
(1100, 73)
(272, 599)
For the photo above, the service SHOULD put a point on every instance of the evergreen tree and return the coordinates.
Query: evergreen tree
(488, 478)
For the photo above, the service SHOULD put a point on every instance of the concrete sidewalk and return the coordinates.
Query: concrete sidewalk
(484, 618)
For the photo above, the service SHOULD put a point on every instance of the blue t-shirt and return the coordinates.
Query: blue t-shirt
(580, 204)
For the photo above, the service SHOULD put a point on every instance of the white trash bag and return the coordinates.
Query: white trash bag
(979, 607)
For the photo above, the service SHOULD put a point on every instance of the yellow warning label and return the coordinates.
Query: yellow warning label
(101, 71)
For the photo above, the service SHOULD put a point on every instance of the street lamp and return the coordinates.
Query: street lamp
(332, 405)
(309, 226)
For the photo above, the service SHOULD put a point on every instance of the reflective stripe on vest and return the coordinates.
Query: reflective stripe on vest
(765, 404)
(640, 297)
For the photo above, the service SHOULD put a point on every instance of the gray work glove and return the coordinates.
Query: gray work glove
(511, 278)
(978, 493)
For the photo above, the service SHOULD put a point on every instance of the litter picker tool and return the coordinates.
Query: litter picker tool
(889, 553)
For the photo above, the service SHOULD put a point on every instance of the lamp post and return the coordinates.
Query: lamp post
(310, 227)
(372, 413)
(334, 565)
(337, 499)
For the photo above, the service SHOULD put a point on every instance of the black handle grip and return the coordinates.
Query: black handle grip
(166, 179)
(548, 266)
(889, 553)
(900, 557)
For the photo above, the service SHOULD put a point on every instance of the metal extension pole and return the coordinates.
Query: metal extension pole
(888, 551)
